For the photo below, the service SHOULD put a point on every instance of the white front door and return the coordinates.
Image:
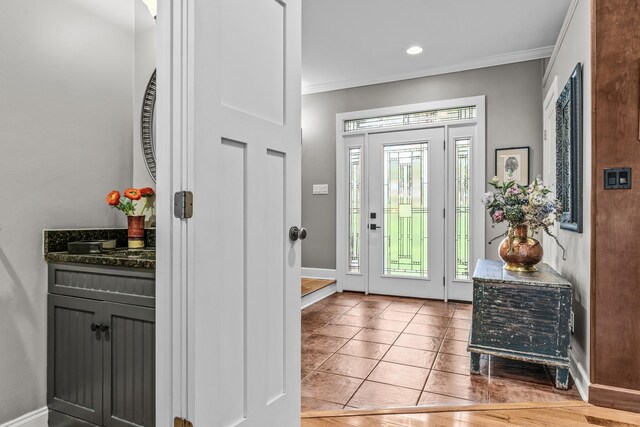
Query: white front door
(406, 213)
(409, 217)
(243, 305)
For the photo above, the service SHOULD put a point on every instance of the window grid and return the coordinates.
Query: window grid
(355, 191)
(405, 210)
(410, 119)
(462, 208)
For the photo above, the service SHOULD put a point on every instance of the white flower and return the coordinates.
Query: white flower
(550, 219)
(537, 199)
(495, 180)
(487, 198)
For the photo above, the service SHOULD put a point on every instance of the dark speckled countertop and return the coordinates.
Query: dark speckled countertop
(55, 248)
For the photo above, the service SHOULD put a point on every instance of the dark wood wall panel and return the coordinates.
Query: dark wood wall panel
(615, 297)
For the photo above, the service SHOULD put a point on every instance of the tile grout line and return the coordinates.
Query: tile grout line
(385, 353)
(435, 358)
(393, 343)
(377, 316)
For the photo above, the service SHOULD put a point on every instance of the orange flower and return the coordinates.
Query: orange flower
(113, 198)
(147, 192)
(132, 193)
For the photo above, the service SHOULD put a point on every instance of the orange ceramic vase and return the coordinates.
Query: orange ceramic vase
(519, 251)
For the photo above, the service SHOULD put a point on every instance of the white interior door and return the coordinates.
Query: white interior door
(244, 301)
(406, 192)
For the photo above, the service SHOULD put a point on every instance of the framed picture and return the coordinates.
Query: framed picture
(513, 164)
(569, 173)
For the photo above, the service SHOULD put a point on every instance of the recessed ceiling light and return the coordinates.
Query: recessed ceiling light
(414, 50)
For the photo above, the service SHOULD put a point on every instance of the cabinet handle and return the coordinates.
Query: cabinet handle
(103, 327)
(94, 327)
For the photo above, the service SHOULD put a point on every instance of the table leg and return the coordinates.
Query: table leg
(562, 378)
(475, 363)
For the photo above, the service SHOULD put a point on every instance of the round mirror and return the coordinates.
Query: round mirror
(148, 126)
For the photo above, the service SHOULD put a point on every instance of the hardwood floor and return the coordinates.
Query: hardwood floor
(309, 285)
(548, 414)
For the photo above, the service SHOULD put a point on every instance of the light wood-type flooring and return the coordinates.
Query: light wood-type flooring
(309, 285)
(547, 414)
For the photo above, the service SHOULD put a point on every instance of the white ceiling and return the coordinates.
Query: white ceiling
(347, 43)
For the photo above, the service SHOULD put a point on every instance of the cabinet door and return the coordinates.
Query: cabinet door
(129, 365)
(74, 368)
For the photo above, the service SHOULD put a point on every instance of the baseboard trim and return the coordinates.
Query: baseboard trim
(319, 273)
(614, 397)
(318, 295)
(31, 419)
(580, 377)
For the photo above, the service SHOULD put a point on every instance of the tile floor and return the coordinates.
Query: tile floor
(373, 351)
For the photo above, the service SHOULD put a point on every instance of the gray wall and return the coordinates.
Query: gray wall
(514, 118)
(65, 140)
(144, 64)
(575, 47)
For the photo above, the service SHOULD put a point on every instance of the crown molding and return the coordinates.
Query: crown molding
(563, 32)
(487, 61)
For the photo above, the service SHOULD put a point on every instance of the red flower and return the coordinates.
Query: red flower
(132, 193)
(147, 192)
(113, 198)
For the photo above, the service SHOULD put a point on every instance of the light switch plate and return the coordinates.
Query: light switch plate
(320, 188)
(617, 178)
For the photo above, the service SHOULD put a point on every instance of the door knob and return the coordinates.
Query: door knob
(373, 227)
(296, 233)
(103, 327)
(94, 327)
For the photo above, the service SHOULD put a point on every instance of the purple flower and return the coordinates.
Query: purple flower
(498, 216)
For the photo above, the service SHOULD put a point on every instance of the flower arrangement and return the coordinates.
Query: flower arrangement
(126, 204)
(530, 205)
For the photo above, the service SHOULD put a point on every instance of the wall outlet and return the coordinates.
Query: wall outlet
(572, 322)
(320, 188)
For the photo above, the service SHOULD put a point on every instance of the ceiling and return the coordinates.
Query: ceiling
(347, 43)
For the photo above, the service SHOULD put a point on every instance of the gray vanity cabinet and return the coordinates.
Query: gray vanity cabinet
(101, 353)
(75, 358)
(129, 366)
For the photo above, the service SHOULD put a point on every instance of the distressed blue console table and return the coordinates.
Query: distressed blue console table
(522, 316)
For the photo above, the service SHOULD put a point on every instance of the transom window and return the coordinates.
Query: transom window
(410, 119)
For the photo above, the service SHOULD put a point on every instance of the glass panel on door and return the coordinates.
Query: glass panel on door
(355, 191)
(462, 208)
(406, 234)
(406, 189)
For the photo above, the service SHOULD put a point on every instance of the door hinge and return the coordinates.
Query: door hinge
(444, 145)
(444, 213)
(183, 204)
(443, 282)
(181, 422)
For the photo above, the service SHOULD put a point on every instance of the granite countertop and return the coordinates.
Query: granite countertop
(55, 248)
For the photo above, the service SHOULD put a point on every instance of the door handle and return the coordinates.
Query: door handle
(94, 327)
(373, 227)
(296, 233)
(103, 327)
